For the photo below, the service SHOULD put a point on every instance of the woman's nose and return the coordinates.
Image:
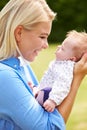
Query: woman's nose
(45, 45)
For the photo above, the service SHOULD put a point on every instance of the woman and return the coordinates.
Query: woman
(24, 28)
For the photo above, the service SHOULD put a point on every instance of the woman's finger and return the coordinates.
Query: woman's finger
(81, 66)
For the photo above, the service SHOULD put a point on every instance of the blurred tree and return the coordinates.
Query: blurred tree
(71, 14)
(2, 3)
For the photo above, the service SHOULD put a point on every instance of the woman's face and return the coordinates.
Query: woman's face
(31, 42)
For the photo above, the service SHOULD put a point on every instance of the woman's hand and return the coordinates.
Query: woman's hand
(81, 67)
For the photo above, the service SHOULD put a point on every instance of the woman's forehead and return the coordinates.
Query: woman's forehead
(43, 27)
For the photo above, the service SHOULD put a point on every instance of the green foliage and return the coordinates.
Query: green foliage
(2, 3)
(71, 14)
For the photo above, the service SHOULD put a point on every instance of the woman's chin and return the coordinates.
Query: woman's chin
(31, 59)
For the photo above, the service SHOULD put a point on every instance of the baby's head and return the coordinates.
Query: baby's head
(73, 47)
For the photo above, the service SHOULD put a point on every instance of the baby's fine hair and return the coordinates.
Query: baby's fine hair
(80, 42)
(20, 12)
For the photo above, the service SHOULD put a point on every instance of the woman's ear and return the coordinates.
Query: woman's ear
(18, 32)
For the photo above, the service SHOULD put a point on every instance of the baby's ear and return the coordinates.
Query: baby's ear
(73, 58)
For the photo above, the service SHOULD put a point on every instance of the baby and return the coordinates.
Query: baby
(55, 84)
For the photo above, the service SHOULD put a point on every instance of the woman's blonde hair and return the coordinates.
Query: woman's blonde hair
(20, 12)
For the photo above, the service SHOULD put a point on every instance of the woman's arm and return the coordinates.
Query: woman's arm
(79, 72)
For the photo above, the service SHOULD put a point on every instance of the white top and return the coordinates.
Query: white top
(59, 77)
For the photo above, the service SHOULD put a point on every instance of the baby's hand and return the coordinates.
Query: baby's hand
(49, 105)
(30, 85)
(35, 91)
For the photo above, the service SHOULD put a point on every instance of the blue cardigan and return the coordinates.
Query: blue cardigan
(18, 108)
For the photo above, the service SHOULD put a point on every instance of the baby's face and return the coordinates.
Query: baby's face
(65, 50)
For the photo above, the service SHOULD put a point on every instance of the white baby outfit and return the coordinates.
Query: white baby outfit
(59, 77)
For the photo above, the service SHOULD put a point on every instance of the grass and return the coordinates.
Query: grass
(78, 116)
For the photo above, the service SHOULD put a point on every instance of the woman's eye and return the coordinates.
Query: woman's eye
(43, 37)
